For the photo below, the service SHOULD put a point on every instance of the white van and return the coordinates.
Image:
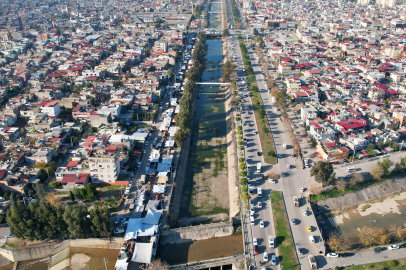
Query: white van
(259, 192)
(311, 239)
(350, 169)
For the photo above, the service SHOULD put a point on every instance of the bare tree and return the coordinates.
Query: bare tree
(378, 171)
(341, 184)
(356, 178)
(337, 242)
(157, 264)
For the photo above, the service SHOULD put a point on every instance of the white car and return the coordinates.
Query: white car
(332, 255)
(265, 257)
(255, 241)
(393, 247)
(302, 189)
(259, 205)
(304, 212)
(273, 181)
(261, 224)
(9, 235)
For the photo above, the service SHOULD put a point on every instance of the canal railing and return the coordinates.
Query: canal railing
(209, 263)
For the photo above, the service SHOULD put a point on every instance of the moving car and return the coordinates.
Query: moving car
(265, 256)
(273, 259)
(332, 255)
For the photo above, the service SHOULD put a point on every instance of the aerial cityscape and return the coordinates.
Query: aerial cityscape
(208, 134)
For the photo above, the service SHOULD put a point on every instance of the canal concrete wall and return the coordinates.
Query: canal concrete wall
(200, 232)
(366, 194)
(39, 252)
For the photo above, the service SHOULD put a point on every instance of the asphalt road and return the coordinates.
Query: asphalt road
(252, 158)
(295, 178)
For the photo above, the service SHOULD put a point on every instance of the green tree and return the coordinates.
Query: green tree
(180, 136)
(226, 33)
(386, 163)
(76, 220)
(370, 147)
(243, 181)
(170, 72)
(255, 32)
(244, 197)
(55, 185)
(40, 190)
(71, 196)
(323, 172)
(101, 226)
(17, 216)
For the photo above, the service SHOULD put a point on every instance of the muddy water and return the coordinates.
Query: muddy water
(202, 250)
(379, 214)
(206, 176)
(93, 259)
(214, 18)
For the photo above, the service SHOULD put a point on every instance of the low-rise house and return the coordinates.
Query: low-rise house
(329, 150)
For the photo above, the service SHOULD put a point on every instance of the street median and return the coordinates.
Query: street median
(287, 254)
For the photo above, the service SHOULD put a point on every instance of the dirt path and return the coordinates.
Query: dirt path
(234, 200)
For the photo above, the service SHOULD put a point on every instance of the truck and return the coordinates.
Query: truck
(296, 201)
(142, 180)
(285, 146)
(259, 167)
(312, 262)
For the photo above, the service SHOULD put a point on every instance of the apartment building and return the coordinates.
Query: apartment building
(104, 164)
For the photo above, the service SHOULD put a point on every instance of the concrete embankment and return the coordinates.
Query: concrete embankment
(200, 232)
(366, 194)
(33, 253)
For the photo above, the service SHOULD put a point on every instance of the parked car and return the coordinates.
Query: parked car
(304, 212)
(261, 224)
(300, 251)
(255, 241)
(259, 205)
(332, 255)
(393, 247)
(293, 221)
(9, 235)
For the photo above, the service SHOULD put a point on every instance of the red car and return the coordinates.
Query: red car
(256, 249)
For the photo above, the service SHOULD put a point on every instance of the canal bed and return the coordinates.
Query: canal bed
(206, 185)
(201, 250)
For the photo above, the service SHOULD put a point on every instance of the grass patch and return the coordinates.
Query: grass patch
(10, 245)
(387, 265)
(287, 255)
(63, 192)
(111, 187)
(330, 193)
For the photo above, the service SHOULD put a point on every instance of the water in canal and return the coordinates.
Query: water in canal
(201, 250)
(72, 258)
(215, 18)
(206, 187)
(384, 213)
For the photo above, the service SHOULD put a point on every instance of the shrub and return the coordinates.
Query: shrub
(243, 181)
(241, 159)
(242, 166)
(240, 143)
(392, 263)
(241, 148)
(238, 119)
(271, 153)
(240, 138)
(55, 185)
(243, 173)
(239, 127)
(244, 189)
(239, 132)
